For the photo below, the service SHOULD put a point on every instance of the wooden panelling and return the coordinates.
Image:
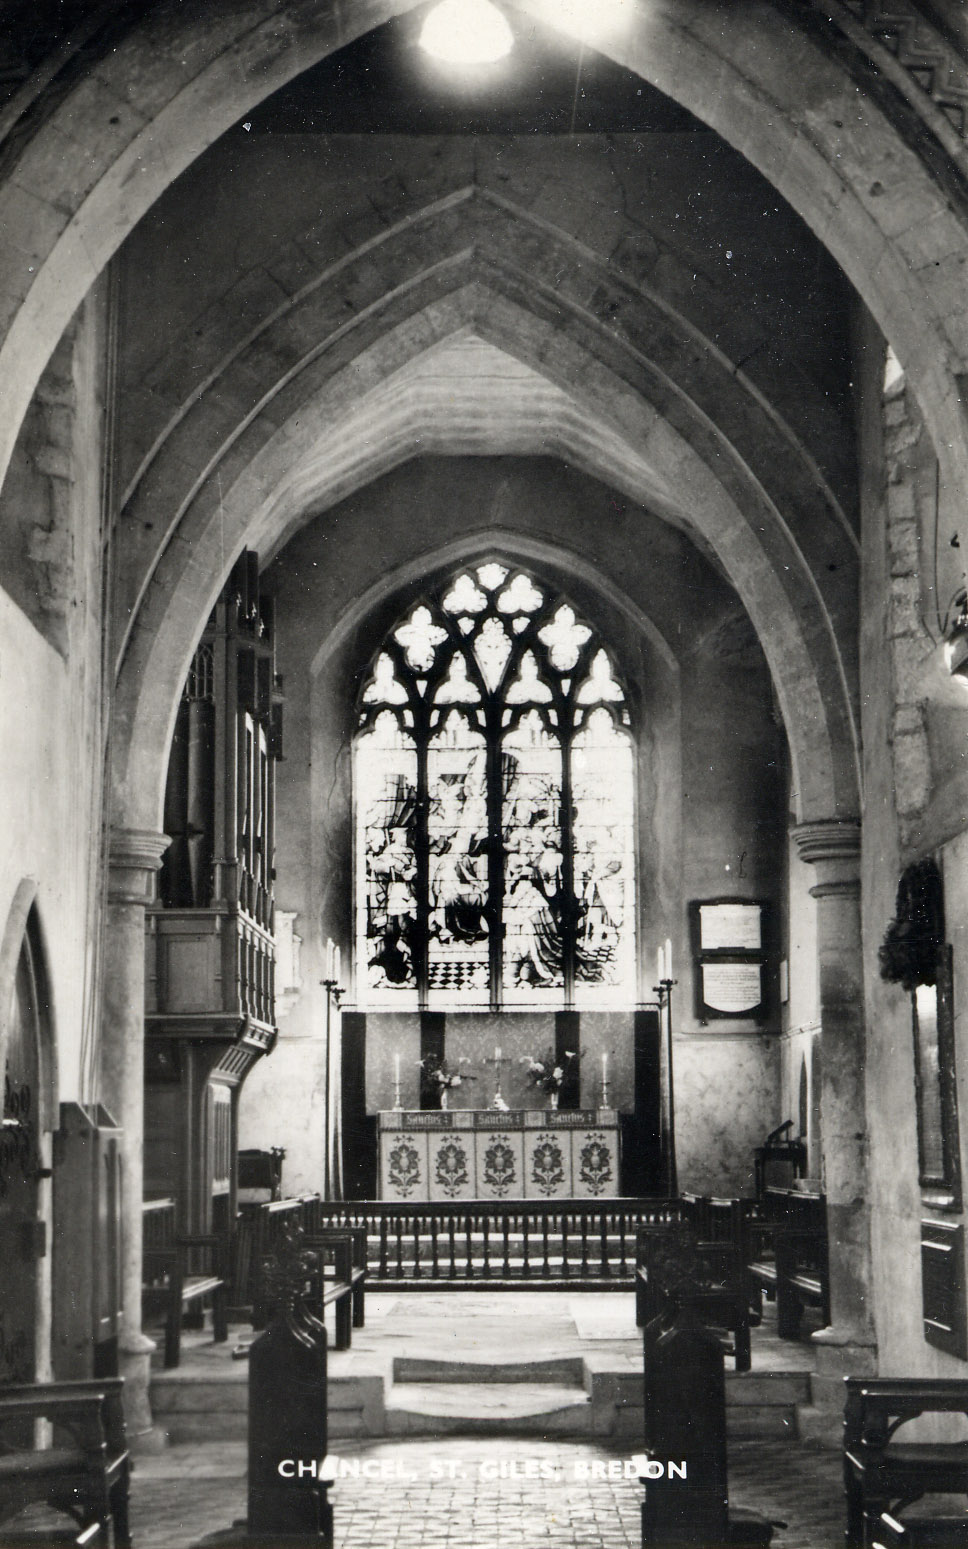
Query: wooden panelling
(943, 1286)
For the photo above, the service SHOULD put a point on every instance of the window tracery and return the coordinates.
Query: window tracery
(494, 805)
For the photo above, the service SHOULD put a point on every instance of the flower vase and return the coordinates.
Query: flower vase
(443, 1097)
(553, 1100)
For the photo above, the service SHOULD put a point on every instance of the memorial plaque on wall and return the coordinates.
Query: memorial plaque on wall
(731, 927)
(733, 989)
(729, 944)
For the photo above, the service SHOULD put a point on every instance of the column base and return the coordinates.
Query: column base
(840, 1353)
(135, 1362)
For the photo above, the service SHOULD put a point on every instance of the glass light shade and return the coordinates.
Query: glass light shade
(466, 32)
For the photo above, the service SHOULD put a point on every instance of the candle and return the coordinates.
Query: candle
(668, 959)
(329, 958)
(604, 1067)
(396, 1069)
(336, 965)
(497, 1051)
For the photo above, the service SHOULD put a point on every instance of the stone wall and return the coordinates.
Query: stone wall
(51, 690)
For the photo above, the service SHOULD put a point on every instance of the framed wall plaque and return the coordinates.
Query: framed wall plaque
(729, 944)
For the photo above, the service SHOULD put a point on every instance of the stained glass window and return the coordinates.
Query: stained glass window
(494, 805)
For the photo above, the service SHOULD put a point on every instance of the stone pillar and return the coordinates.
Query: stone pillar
(135, 855)
(847, 1346)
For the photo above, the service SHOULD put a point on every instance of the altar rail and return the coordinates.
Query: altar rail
(542, 1244)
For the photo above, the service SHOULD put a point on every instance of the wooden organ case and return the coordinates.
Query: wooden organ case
(209, 937)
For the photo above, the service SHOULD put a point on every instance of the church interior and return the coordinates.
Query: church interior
(484, 675)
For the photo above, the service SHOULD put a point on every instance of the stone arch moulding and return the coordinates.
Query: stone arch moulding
(24, 922)
(475, 548)
(286, 483)
(765, 81)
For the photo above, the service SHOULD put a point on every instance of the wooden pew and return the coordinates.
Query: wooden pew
(335, 1251)
(181, 1273)
(157, 1248)
(684, 1415)
(883, 1475)
(924, 1533)
(317, 1223)
(722, 1301)
(264, 1226)
(84, 1474)
(191, 1284)
(787, 1255)
(802, 1278)
(288, 1425)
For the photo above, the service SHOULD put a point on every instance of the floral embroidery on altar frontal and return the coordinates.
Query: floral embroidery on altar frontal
(403, 1172)
(547, 1166)
(451, 1168)
(596, 1164)
(500, 1172)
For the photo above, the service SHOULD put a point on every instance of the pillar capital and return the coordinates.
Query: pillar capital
(134, 855)
(832, 845)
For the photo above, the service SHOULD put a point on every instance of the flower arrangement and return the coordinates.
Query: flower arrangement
(546, 1073)
(437, 1078)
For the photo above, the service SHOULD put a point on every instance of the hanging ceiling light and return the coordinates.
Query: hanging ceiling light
(466, 32)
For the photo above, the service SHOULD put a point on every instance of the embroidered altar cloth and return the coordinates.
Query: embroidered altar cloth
(484, 1154)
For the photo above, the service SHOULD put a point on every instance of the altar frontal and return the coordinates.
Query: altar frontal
(488, 1155)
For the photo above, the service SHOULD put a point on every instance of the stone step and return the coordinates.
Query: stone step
(565, 1372)
(487, 1408)
(598, 1395)
(195, 1408)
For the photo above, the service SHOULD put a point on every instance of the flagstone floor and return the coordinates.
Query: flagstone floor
(477, 1492)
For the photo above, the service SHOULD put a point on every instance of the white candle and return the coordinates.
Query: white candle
(329, 958)
(497, 1051)
(668, 959)
(396, 1069)
(336, 964)
(604, 1067)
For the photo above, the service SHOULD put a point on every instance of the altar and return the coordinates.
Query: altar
(488, 1154)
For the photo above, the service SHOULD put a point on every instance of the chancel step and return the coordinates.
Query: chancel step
(481, 1408)
(567, 1372)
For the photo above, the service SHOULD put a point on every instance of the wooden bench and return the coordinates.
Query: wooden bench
(925, 1533)
(184, 1274)
(802, 1278)
(317, 1221)
(84, 1474)
(883, 1475)
(336, 1248)
(260, 1231)
(786, 1248)
(721, 1300)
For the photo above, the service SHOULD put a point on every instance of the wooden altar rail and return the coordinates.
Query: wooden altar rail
(528, 1243)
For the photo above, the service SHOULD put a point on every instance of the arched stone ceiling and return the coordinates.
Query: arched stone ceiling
(321, 348)
(385, 419)
(85, 163)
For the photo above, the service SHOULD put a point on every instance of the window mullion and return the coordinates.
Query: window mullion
(422, 860)
(495, 854)
(569, 913)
